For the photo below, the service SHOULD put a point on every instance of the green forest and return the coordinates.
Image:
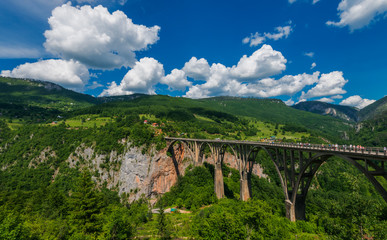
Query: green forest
(43, 195)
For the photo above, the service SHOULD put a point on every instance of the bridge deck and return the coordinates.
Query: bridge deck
(369, 152)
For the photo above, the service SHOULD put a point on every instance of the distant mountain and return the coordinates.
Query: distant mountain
(38, 100)
(42, 94)
(342, 112)
(266, 110)
(374, 110)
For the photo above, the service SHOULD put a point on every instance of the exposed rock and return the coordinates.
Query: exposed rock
(137, 174)
(43, 157)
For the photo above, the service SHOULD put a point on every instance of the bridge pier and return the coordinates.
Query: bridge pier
(218, 183)
(290, 210)
(295, 173)
(300, 207)
(244, 189)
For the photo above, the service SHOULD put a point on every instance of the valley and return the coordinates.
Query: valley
(73, 166)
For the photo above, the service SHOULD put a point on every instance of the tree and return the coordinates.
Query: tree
(162, 223)
(118, 225)
(86, 206)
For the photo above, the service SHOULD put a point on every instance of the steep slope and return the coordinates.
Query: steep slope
(38, 101)
(337, 111)
(374, 110)
(267, 110)
(42, 94)
(273, 110)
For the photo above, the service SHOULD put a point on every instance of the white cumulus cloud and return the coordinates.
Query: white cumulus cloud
(250, 77)
(264, 62)
(95, 37)
(220, 83)
(328, 84)
(356, 101)
(198, 69)
(176, 80)
(257, 38)
(357, 14)
(140, 79)
(313, 65)
(70, 74)
(326, 100)
(289, 102)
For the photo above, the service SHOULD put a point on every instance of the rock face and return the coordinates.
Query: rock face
(135, 174)
(337, 111)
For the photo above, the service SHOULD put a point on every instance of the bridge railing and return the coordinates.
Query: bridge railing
(340, 148)
(331, 147)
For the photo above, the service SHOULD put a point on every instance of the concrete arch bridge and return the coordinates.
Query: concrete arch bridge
(295, 164)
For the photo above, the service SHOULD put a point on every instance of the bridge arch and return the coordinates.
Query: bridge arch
(299, 192)
(171, 150)
(275, 163)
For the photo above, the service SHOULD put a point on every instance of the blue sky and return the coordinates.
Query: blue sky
(296, 50)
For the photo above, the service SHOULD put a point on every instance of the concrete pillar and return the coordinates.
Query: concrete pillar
(290, 210)
(300, 207)
(245, 191)
(218, 184)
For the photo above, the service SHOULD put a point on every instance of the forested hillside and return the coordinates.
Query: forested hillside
(96, 172)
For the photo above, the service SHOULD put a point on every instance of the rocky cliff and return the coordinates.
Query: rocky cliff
(322, 108)
(135, 174)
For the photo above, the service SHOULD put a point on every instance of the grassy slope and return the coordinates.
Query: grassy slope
(42, 94)
(276, 111)
(267, 110)
(43, 97)
(373, 110)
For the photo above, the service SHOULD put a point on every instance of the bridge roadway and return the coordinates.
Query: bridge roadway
(295, 164)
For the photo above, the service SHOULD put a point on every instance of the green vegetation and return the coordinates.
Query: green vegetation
(48, 190)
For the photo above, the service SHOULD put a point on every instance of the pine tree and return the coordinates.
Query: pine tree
(86, 206)
(162, 223)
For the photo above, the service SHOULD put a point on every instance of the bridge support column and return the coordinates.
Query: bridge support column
(300, 207)
(219, 184)
(245, 191)
(290, 210)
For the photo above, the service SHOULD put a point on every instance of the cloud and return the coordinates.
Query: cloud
(328, 84)
(176, 80)
(249, 77)
(337, 97)
(220, 83)
(264, 62)
(94, 85)
(313, 2)
(197, 69)
(70, 74)
(140, 79)
(86, 1)
(289, 102)
(313, 65)
(102, 2)
(309, 54)
(326, 100)
(280, 33)
(254, 39)
(356, 101)
(19, 52)
(97, 38)
(357, 14)
(257, 38)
